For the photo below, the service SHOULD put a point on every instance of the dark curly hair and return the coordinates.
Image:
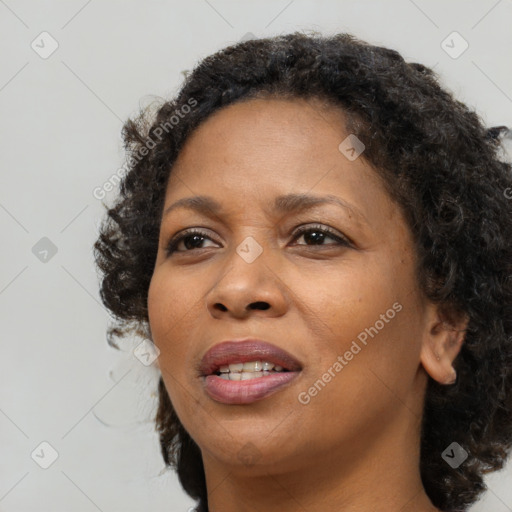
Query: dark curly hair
(441, 166)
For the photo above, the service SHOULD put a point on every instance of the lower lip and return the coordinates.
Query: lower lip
(245, 391)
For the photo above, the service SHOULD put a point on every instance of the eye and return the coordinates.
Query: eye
(318, 233)
(194, 235)
(194, 238)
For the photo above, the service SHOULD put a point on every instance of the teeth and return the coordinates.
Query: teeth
(243, 375)
(248, 370)
(250, 375)
(236, 367)
(255, 366)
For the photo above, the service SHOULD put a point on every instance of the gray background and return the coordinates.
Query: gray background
(60, 125)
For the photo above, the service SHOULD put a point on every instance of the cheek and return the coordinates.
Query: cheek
(156, 306)
(369, 315)
(176, 310)
(347, 298)
(369, 386)
(169, 299)
(169, 331)
(166, 318)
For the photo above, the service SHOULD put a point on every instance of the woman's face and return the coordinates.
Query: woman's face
(355, 303)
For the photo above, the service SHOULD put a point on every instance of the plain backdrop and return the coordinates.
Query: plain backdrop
(71, 73)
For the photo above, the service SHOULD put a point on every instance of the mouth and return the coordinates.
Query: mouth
(241, 372)
(249, 370)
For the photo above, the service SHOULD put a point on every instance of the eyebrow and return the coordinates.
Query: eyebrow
(289, 203)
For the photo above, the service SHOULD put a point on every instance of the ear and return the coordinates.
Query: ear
(442, 340)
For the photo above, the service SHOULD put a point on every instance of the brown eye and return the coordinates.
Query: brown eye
(192, 240)
(316, 234)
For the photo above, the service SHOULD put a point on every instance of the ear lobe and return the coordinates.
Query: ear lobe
(442, 341)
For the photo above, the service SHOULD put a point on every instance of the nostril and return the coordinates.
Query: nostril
(259, 305)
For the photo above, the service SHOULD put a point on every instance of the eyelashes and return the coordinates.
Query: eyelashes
(200, 235)
(174, 242)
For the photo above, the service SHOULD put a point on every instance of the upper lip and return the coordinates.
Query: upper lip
(243, 351)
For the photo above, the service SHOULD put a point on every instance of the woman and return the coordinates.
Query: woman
(317, 237)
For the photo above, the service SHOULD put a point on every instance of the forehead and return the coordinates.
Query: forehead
(270, 121)
(262, 139)
(259, 149)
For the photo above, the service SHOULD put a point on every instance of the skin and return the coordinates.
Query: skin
(354, 446)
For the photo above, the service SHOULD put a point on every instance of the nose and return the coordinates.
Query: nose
(246, 289)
